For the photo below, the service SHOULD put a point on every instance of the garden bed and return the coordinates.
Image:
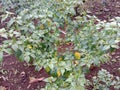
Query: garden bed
(16, 75)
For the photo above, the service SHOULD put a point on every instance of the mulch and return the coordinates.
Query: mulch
(15, 75)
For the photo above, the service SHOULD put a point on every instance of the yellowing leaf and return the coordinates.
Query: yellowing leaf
(42, 26)
(60, 58)
(48, 22)
(29, 46)
(77, 55)
(58, 73)
(47, 69)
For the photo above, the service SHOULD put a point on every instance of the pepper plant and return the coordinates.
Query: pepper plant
(33, 35)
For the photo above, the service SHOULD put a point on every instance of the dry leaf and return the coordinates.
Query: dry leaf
(33, 79)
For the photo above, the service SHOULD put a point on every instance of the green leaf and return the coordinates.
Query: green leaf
(106, 47)
(27, 58)
(8, 50)
(15, 47)
(115, 46)
(80, 87)
(10, 22)
(21, 57)
(18, 53)
(1, 56)
(4, 35)
(4, 17)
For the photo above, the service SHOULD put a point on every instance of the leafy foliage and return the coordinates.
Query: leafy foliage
(105, 80)
(34, 36)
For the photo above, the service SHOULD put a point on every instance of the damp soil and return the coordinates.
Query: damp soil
(16, 75)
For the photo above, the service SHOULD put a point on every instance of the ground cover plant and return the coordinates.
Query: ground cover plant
(105, 80)
(33, 35)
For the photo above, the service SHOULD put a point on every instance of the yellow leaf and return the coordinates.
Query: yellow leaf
(48, 22)
(42, 26)
(77, 55)
(29, 46)
(58, 73)
(60, 59)
(47, 69)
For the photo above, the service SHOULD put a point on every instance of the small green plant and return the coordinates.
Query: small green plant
(104, 80)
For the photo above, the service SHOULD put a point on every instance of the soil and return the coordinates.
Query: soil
(104, 9)
(16, 75)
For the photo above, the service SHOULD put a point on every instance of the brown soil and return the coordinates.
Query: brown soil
(15, 75)
(104, 10)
